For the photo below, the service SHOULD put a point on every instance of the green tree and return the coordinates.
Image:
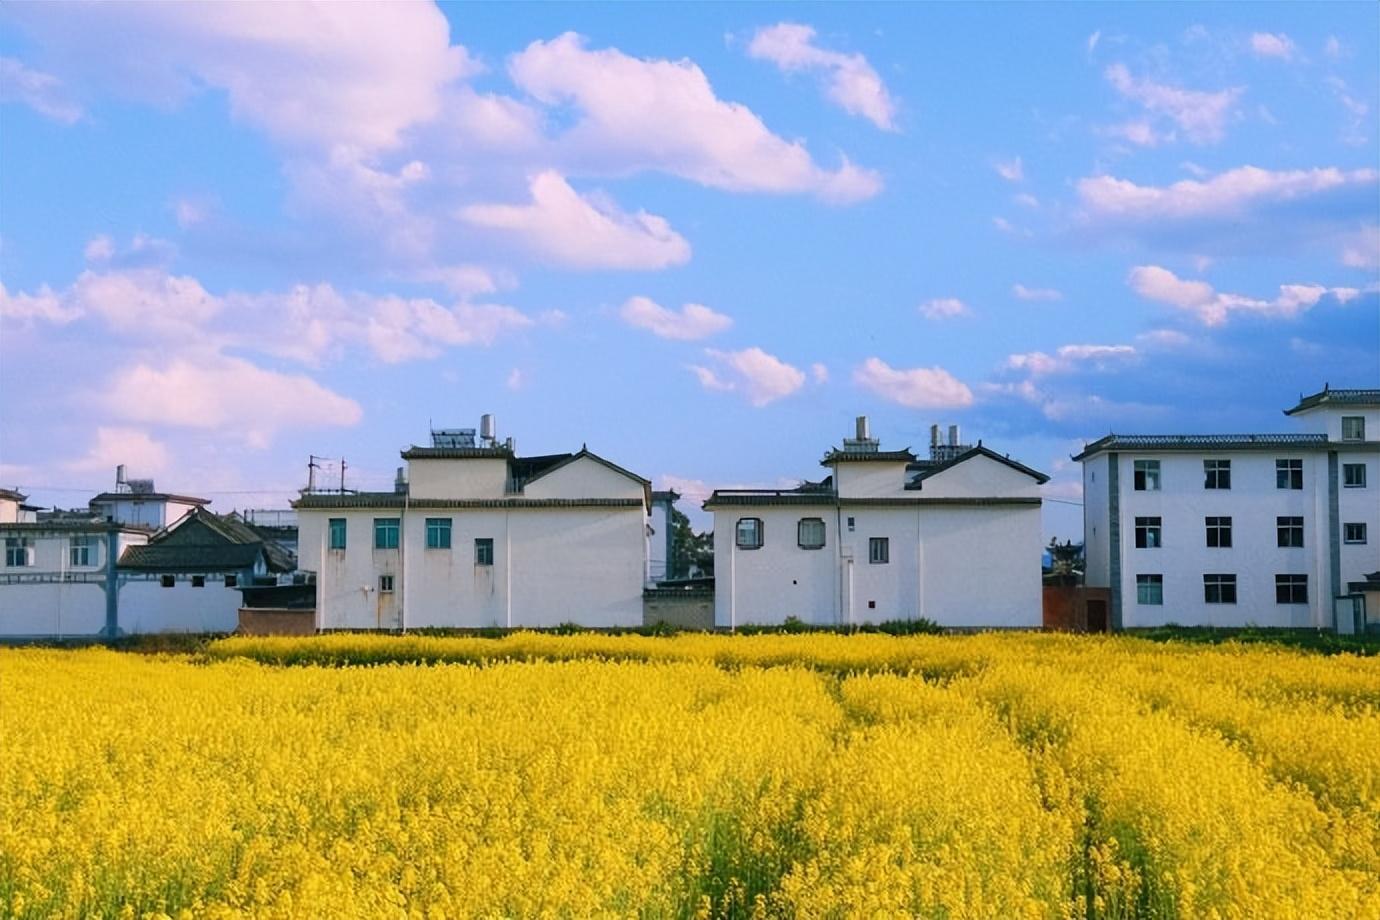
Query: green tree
(689, 550)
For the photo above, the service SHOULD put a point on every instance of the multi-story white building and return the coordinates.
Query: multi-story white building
(886, 536)
(1235, 530)
(476, 536)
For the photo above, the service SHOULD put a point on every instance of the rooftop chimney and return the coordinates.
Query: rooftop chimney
(486, 427)
(400, 482)
(119, 476)
(862, 428)
(953, 435)
(934, 436)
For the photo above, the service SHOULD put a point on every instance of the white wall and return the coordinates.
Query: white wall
(584, 478)
(62, 609)
(1096, 538)
(474, 477)
(1328, 420)
(980, 475)
(870, 479)
(780, 580)
(148, 607)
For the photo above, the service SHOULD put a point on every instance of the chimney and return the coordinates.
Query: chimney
(934, 437)
(862, 428)
(511, 445)
(953, 435)
(400, 482)
(486, 427)
(119, 476)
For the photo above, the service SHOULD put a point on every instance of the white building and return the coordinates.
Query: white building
(476, 536)
(954, 539)
(1235, 530)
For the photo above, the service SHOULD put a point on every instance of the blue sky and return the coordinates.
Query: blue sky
(698, 238)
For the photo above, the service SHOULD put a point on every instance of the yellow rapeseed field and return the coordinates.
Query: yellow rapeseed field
(819, 776)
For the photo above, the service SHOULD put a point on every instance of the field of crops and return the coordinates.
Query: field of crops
(585, 776)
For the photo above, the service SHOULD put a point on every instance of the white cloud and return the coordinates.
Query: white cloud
(43, 305)
(694, 321)
(399, 329)
(1333, 48)
(1010, 170)
(516, 379)
(1027, 293)
(40, 91)
(212, 391)
(914, 388)
(1005, 226)
(694, 491)
(761, 377)
(944, 308)
(1141, 133)
(1069, 358)
(820, 372)
(849, 80)
(145, 301)
(639, 114)
(1362, 250)
(1229, 194)
(130, 446)
(1167, 339)
(1093, 39)
(570, 230)
(99, 249)
(1213, 308)
(1202, 116)
(1027, 200)
(1269, 44)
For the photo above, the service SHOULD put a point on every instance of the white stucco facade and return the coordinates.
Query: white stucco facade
(1302, 511)
(484, 539)
(956, 542)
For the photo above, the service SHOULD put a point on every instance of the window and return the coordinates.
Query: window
(1216, 474)
(167, 581)
(18, 552)
(385, 584)
(198, 581)
(1218, 531)
(337, 527)
(1353, 427)
(1354, 475)
(1150, 589)
(1148, 533)
(1291, 589)
(1288, 474)
(809, 533)
(749, 533)
(1290, 531)
(1219, 589)
(81, 551)
(1354, 533)
(879, 550)
(231, 581)
(385, 533)
(438, 533)
(483, 551)
(851, 525)
(1147, 475)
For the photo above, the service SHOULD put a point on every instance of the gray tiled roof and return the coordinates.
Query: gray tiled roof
(155, 557)
(148, 497)
(1205, 442)
(1369, 399)
(769, 498)
(876, 456)
(456, 453)
(396, 501)
(979, 451)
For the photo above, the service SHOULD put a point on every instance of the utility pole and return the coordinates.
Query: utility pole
(312, 467)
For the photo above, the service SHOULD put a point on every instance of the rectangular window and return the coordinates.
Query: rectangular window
(748, 533)
(1150, 589)
(81, 551)
(231, 581)
(852, 524)
(438, 533)
(18, 552)
(483, 551)
(1353, 427)
(198, 581)
(1147, 475)
(1291, 589)
(1219, 589)
(1148, 534)
(1354, 533)
(1218, 531)
(385, 584)
(385, 533)
(337, 528)
(1216, 474)
(167, 581)
(879, 550)
(1289, 531)
(1288, 474)
(809, 533)
(1354, 475)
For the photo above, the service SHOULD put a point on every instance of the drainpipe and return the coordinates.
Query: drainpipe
(321, 576)
(508, 566)
(112, 583)
(402, 563)
(733, 580)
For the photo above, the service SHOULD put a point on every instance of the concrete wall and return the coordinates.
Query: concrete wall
(870, 479)
(476, 477)
(54, 609)
(149, 512)
(1096, 538)
(1328, 420)
(584, 478)
(980, 475)
(148, 607)
(681, 609)
(1360, 506)
(270, 621)
(779, 580)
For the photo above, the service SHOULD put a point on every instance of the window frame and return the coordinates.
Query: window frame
(1361, 537)
(1360, 480)
(384, 526)
(1292, 525)
(1289, 473)
(438, 532)
(874, 544)
(759, 530)
(1291, 588)
(1141, 471)
(800, 533)
(21, 549)
(484, 546)
(386, 583)
(1218, 528)
(1220, 583)
(1357, 424)
(1144, 596)
(1217, 474)
(79, 551)
(1144, 528)
(332, 532)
